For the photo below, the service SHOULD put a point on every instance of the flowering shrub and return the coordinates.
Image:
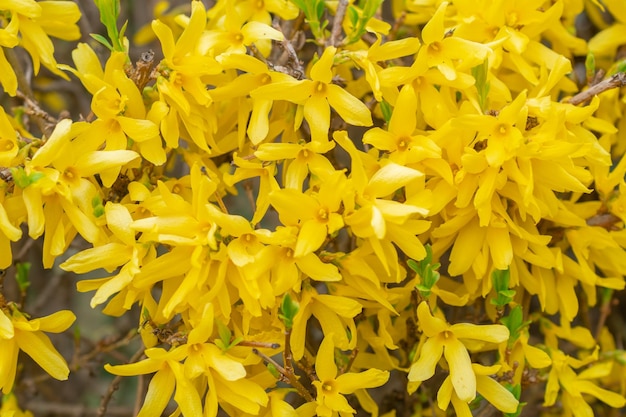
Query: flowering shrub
(428, 216)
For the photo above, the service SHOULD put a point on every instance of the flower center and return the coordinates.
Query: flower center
(328, 387)
(319, 87)
(403, 143)
(322, 215)
(6, 145)
(435, 48)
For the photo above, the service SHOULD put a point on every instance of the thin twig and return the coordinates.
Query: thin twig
(289, 376)
(340, 14)
(615, 81)
(287, 354)
(114, 385)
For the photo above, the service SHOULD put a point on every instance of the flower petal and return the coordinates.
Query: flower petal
(424, 367)
(461, 372)
(159, 393)
(350, 382)
(496, 394)
(38, 346)
(325, 367)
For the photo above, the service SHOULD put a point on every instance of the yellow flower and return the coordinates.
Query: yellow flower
(19, 333)
(563, 378)
(316, 215)
(444, 339)
(441, 51)
(405, 146)
(331, 386)
(317, 95)
(234, 36)
(335, 314)
(36, 21)
(489, 388)
(307, 161)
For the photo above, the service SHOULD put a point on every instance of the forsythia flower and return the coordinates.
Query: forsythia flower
(331, 386)
(444, 339)
(17, 333)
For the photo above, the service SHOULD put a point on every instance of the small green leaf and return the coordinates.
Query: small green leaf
(288, 310)
(23, 268)
(386, 110)
(353, 15)
(515, 323)
(224, 333)
(102, 40)
(500, 280)
(274, 371)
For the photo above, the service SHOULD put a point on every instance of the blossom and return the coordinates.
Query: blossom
(562, 377)
(17, 333)
(489, 388)
(447, 340)
(331, 386)
(317, 95)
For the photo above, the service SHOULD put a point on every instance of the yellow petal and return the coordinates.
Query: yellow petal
(228, 368)
(159, 393)
(57, 322)
(430, 325)
(325, 367)
(434, 29)
(461, 372)
(312, 266)
(322, 69)
(496, 394)
(8, 364)
(424, 367)
(494, 333)
(108, 256)
(389, 178)
(95, 162)
(138, 130)
(38, 346)
(310, 238)
(6, 326)
(349, 382)
(350, 108)
(118, 221)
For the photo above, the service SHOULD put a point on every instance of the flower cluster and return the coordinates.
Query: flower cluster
(416, 195)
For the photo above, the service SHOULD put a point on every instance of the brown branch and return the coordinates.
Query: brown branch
(114, 385)
(340, 14)
(615, 81)
(289, 377)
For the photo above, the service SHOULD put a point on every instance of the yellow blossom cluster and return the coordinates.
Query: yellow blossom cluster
(311, 199)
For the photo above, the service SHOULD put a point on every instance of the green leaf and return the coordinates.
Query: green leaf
(288, 310)
(22, 179)
(109, 13)
(102, 40)
(500, 280)
(353, 15)
(515, 323)
(274, 371)
(23, 268)
(427, 271)
(224, 333)
(385, 108)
